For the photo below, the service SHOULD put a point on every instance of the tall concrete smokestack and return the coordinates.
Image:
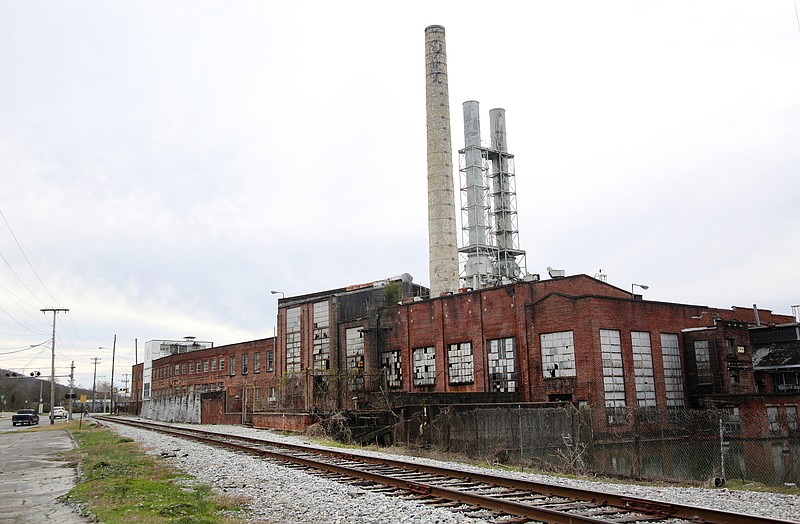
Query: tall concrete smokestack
(442, 243)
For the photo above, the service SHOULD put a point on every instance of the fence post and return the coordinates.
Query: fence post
(521, 463)
(721, 449)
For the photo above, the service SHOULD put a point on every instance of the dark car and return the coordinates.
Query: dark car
(25, 417)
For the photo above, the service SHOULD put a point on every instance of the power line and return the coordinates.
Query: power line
(26, 260)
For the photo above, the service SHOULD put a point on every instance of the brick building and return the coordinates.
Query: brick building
(574, 339)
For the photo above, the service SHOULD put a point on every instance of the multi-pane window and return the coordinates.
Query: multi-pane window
(213, 365)
(392, 365)
(177, 369)
(293, 339)
(502, 365)
(244, 364)
(673, 375)
(232, 366)
(256, 362)
(321, 345)
(354, 340)
(191, 367)
(732, 420)
(460, 365)
(425, 366)
(221, 364)
(558, 354)
(773, 419)
(199, 366)
(703, 361)
(205, 366)
(643, 369)
(183, 368)
(270, 360)
(613, 378)
(791, 417)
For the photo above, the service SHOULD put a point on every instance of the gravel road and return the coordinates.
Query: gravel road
(281, 494)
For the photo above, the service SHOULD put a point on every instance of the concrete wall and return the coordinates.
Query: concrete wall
(174, 409)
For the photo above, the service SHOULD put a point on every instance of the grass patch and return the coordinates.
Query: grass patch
(120, 483)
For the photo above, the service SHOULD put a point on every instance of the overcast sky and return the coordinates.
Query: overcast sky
(164, 165)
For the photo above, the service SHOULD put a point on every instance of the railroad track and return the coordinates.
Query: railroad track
(506, 499)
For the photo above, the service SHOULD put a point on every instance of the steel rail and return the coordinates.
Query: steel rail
(599, 498)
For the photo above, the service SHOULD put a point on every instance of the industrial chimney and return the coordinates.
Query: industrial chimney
(442, 242)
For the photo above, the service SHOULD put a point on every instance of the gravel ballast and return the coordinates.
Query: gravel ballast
(282, 494)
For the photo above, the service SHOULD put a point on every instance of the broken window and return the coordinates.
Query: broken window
(558, 354)
(270, 360)
(244, 364)
(460, 363)
(293, 339)
(643, 369)
(773, 419)
(703, 361)
(256, 362)
(613, 376)
(673, 374)
(321, 345)
(791, 417)
(394, 371)
(354, 339)
(502, 365)
(425, 366)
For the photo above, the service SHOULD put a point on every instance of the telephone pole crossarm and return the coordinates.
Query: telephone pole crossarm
(53, 361)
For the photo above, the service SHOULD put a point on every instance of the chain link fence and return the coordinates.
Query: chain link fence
(684, 445)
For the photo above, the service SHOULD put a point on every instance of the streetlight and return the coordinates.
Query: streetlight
(638, 285)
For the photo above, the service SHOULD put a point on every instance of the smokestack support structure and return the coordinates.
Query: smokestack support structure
(442, 237)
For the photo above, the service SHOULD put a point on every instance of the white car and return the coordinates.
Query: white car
(59, 412)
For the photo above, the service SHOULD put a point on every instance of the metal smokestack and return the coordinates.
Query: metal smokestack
(442, 242)
(478, 266)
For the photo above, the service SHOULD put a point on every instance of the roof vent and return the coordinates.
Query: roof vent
(555, 273)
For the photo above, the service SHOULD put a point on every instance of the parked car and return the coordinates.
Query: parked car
(59, 412)
(25, 417)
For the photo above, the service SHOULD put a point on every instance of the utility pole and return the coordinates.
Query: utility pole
(53, 362)
(71, 385)
(113, 354)
(94, 380)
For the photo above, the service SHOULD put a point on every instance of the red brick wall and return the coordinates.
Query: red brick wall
(282, 421)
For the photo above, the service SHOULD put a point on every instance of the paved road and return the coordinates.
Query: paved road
(32, 477)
